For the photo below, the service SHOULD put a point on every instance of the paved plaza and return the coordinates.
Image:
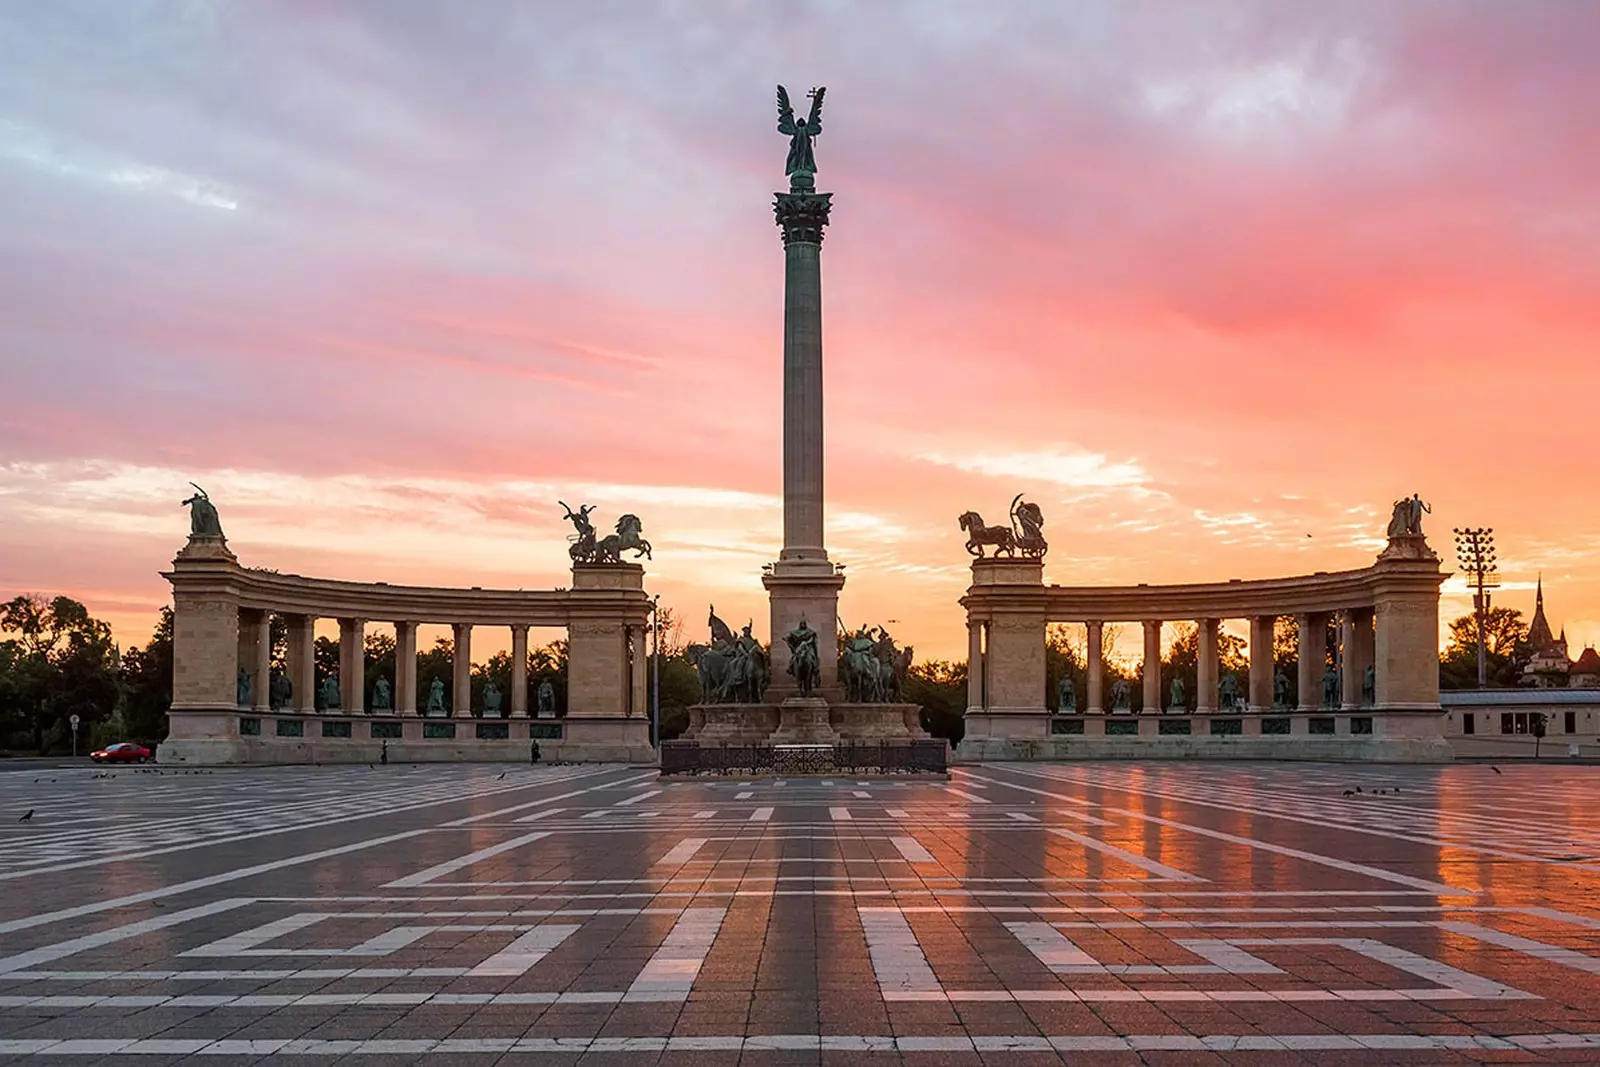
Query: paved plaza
(1105, 913)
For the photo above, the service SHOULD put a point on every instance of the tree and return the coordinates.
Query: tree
(146, 679)
(1506, 650)
(680, 689)
(940, 687)
(61, 662)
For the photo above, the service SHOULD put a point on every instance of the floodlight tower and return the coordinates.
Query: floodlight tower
(1475, 550)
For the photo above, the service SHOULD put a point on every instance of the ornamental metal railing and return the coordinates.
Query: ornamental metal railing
(844, 757)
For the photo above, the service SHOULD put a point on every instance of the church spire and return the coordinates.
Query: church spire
(1539, 635)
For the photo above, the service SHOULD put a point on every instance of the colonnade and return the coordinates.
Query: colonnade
(1354, 653)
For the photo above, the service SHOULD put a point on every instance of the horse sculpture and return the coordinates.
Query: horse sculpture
(1003, 538)
(609, 549)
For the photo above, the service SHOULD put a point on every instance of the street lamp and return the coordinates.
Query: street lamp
(1475, 550)
(655, 671)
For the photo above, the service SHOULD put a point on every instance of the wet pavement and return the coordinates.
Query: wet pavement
(1113, 913)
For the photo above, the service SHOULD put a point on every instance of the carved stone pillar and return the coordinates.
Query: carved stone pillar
(405, 668)
(1313, 658)
(519, 672)
(1206, 668)
(353, 665)
(1350, 667)
(639, 702)
(1261, 667)
(462, 670)
(1152, 667)
(1095, 654)
(1007, 597)
(1358, 658)
(303, 663)
(255, 657)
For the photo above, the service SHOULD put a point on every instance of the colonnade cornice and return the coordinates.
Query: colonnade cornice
(292, 594)
(1313, 593)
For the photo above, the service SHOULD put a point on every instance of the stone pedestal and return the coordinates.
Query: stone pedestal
(809, 590)
(804, 720)
(1006, 602)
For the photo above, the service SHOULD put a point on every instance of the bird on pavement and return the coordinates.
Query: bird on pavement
(499, 776)
(1492, 767)
(28, 815)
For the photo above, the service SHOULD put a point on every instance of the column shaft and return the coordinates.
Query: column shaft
(802, 402)
(519, 672)
(1152, 666)
(974, 663)
(1350, 670)
(303, 663)
(353, 665)
(463, 670)
(1206, 669)
(1313, 658)
(1362, 659)
(1095, 654)
(405, 668)
(1261, 662)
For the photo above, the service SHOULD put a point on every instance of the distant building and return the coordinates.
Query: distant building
(1549, 666)
(1585, 673)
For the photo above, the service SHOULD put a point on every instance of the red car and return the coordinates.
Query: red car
(122, 752)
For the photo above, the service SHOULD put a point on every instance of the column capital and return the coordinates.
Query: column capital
(802, 216)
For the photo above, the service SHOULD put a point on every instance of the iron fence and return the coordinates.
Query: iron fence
(844, 757)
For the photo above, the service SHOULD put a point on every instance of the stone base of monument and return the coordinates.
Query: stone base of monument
(803, 720)
(224, 735)
(1368, 735)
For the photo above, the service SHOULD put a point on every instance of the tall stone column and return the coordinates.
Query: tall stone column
(974, 665)
(1152, 667)
(353, 665)
(405, 668)
(1206, 669)
(253, 638)
(1261, 662)
(303, 663)
(1349, 670)
(1312, 660)
(462, 671)
(1095, 654)
(1406, 635)
(803, 583)
(519, 672)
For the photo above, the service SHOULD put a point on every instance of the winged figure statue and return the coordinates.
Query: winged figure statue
(800, 131)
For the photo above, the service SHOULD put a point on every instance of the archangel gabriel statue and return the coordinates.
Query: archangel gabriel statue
(801, 166)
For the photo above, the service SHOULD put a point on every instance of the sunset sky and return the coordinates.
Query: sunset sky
(389, 279)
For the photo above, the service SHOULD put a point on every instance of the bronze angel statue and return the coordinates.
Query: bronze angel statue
(800, 131)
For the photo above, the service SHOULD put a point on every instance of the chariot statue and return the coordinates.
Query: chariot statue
(586, 548)
(1024, 535)
(203, 520)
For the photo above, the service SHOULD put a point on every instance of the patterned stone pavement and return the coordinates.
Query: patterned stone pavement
(1018, 915)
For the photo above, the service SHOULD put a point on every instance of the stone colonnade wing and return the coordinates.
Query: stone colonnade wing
(222, 708)
(1371, 693)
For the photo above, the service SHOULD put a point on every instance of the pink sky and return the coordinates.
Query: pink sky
(388, 280)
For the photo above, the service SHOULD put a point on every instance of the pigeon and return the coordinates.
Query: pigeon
(499, 776)
(1492, 767)
(1358, 789)
(28, 815)
(1349, 792)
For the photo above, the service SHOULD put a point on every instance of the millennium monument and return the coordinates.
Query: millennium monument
(806, 689)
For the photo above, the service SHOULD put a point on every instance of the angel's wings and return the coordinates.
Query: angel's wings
(814, 120)
(785, 114)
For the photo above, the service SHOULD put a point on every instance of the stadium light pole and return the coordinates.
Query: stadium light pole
(1475, 550)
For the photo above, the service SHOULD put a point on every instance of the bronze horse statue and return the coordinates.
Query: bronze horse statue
(1003, 538)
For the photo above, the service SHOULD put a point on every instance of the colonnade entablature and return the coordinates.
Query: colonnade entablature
(225, 688)
(1378, 674)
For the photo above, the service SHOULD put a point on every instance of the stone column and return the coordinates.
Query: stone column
(1008, 595)
(639, 702)
(353, 665)
(802, 215)
(255, 657)
(405, 668)
(1313, 658)
(303, 663)
(1261, 662)
(1206, 669)
(1095, 654)
(597, 665)
(1406, 638)
(1349, 670)
(1152, 667)
(519, 672)
(974, 665)
(463, 670)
